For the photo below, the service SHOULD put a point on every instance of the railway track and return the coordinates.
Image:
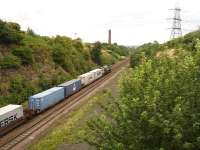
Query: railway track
(19, 134)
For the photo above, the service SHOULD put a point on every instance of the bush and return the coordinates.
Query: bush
(10, 33)
(107, 59)
(20, 90)
(9, 61)
(136, 58)
(59, 55)
(45, 83)
(96, 53)
(25, 55)
(157, 108)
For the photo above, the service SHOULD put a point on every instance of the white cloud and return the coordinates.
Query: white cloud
(132, 21)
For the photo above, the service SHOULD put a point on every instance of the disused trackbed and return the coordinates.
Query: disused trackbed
(19, 134)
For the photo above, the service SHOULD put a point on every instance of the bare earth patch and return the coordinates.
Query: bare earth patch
(169, 53)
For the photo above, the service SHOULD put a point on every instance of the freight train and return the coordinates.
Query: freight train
(12, 116)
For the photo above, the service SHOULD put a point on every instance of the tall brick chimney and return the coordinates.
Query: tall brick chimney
(109, 36)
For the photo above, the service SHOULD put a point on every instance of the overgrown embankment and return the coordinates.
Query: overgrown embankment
(158, 107)
(30, 63)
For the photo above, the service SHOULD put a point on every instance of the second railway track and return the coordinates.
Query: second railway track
(18, 135)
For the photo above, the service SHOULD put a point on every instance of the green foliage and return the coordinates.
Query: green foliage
(24, 54)
(30, 32)
(71, 55)
(9, 61)
(45, 83)
(187, 42)
(48, 82)
(96, 53)
(20, 90)
(121, 50)
(10, 33)
(136, 58)
(148, 51)
(107, 59)
(59, 55)
(157, 108)
(43, 58)
(78, 45)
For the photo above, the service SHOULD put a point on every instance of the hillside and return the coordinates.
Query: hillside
(30, 63)
(158, 103)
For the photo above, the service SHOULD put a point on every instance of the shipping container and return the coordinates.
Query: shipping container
(91, 76)
(97, 73)
(10, 113)
(86, 78)
(46, 99)
(71, 86)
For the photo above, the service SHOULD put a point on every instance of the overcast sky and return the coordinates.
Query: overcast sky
(132, 22)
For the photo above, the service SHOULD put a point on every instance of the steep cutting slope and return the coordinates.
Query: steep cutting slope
(30, 63)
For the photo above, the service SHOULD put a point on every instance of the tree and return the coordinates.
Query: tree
(157, 108)
(96, 53)
(31, 32)
(10, 33)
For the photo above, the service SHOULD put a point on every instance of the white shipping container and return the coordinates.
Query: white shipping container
(97, 73)
(10, 113)
(89, 77)
(86, 78)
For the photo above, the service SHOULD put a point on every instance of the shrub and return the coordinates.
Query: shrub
(107, 59)
(20, 90)
(9, 61)
(25, 55)
(59, 55)
(157, 108)
(10, 33)
(96, 53)
(45, 83)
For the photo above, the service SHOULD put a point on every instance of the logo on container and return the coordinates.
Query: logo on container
(8, 120)
(74, 87)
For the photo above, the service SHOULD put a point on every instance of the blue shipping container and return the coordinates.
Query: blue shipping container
(71, 86)
(45, 99)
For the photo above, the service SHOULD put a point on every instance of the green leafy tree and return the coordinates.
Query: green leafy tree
(96, 53)
(157, 108)
(31, 32)
(10, 33)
